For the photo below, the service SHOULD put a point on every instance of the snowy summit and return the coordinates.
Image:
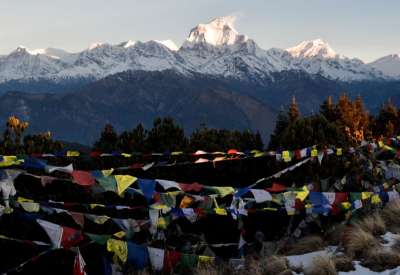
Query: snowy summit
(218, 32)
(311, 49)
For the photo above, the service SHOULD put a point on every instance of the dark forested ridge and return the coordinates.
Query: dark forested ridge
(129, 98)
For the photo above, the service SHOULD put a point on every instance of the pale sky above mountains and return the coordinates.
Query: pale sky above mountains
(359, 28)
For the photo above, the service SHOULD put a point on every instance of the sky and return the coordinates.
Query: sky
(367, 29)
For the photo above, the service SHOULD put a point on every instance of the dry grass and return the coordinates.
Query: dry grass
(212, 269)
(379, 260)
(390, 214)
(358, 242)
(304, 245)
(321, 265)
(396, 246)
(334, 235)
(373, 224)
(274, 265)
(343, 263)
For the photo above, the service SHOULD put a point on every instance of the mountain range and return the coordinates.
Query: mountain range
(217, 76)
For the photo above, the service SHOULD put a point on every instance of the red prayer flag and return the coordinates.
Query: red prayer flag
(232, 152)
(70, 237)
(276, 187)
(171, 259)
(191, 187)
(83, 178)
(79, 265)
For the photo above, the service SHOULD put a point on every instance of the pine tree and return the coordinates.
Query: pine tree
(13, 134)
(134, 140)
(352, 117)
(294, 112)
(166, 135)
(108, 140)
(282, 122)
(327, 109)
(387, 121)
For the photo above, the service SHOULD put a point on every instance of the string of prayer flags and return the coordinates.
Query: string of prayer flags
(61, 236)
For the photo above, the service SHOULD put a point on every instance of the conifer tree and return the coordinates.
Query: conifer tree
(327, 109)
(166, 135)
(387, 121)
(282, 122)
(294, 112)
(108, 140)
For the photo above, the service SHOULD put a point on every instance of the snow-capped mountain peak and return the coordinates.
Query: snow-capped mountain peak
(218, 32)
(169, 44)
(389, 65)
(20, 50)
(311, 49)
(95, 45)
(127, 44)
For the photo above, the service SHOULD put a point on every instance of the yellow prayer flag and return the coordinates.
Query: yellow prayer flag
(123, 182)
(223, 191)
(286, 156)
(302, 195)
(259, 154)
(107, 173)
(270, 209)
(94, 205)
(73, 154)
(30, 206)
(339, 151)
(162, 223)
(314, 152)
(220, 211)
(9, 161)
(346, 205)
(375, 199)
(366, 195)
(119, 234)
(205, 260)
(119, 248)
(100, 219)
(126, 155)
(22, 199)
